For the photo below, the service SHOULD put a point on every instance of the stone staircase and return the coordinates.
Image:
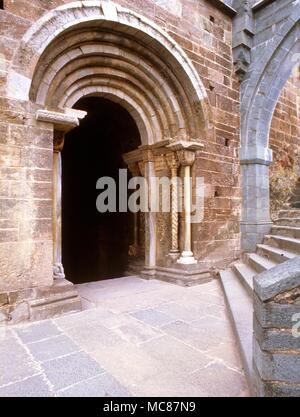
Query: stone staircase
(295, 199)
(280, 245)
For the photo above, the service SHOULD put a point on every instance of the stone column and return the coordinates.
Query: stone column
(173, 164)
(135, 171)
(256, 220)
(148, 171)
(58, 270)
(187, 158)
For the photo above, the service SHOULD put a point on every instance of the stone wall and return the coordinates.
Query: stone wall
(285, 127)
(268, 34)
(276, 331)
(205, 34)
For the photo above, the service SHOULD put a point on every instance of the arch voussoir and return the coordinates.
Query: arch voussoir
(159, 74)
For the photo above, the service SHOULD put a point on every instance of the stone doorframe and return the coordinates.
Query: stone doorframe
(271, 65)
(62, 124)
(142, 162)
(147, 73)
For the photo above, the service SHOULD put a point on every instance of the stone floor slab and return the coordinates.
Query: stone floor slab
(185, 312)
(15, 363)
(90, 337)
(68, 370)
(200, 339)
(52, 348)
(104, 385)
(229, 383)
(176, 355)
(146, 338)
(152, 317)
(30, 387)
(37, 331)
(128, 363)
(137, 332)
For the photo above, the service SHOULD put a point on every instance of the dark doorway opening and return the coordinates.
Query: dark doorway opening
(95, 245)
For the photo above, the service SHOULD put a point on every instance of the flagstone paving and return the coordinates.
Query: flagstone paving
(134, 338)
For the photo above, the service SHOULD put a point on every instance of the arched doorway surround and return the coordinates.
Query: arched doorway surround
(272, 64)
(95, 48)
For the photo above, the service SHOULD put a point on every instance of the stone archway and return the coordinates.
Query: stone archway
(97, 48)
(95, 244)
(272, 65)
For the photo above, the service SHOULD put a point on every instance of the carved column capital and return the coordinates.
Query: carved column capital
(147, 155)
(141, 165)
(186, 158)
(59, 141)
(134, 169)
(172, 161)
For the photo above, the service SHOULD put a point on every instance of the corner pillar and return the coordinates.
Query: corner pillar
(256, 220)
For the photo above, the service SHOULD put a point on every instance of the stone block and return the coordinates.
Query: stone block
(282, 367)
(284, 277)
(19, 313)
(36, 158)
(32, 267)
(274, 314)
(276, 339)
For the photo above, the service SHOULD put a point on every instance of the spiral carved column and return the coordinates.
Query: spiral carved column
(173, 164)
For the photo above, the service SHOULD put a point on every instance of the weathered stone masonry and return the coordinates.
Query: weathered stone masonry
(276, 334)
(27, 144)
(207, 84)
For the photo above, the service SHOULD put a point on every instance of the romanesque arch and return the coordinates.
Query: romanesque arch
(272, 64)
(95, 48)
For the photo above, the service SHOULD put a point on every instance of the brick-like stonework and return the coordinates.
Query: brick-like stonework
(276, 351)
(204, 33)
(285, 127)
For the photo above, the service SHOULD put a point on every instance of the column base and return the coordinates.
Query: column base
(187, 258)
(58, 271)
(253, 233)
(174, 255)
(179, 274)
(135, 266)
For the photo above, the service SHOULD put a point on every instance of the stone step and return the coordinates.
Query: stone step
(288, 221)
(274, 254)
(240, 306)
(295, 204)
(286, 243)
(290, 213)
(288, 231)
(55, 308)
(258, 262)
(245, 274)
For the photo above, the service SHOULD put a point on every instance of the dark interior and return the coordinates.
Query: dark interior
(95, 245)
